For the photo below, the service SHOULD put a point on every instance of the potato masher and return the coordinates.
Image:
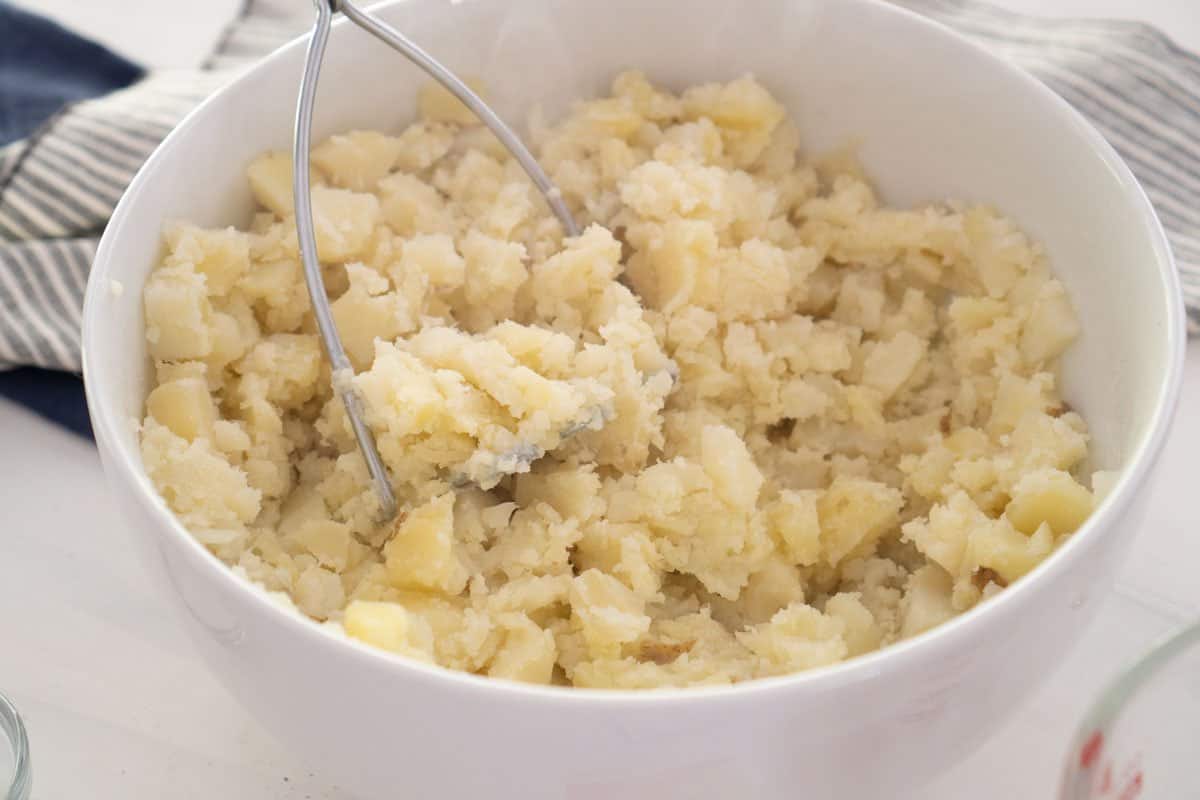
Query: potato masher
(342, 370)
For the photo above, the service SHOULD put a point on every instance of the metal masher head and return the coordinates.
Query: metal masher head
(332, 341)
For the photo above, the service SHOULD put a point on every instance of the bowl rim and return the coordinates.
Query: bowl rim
(107, 421)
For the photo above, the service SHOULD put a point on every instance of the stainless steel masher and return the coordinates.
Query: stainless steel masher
(304, 221)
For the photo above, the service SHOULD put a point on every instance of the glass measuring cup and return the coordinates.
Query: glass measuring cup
(15, 779)
(1141, 739)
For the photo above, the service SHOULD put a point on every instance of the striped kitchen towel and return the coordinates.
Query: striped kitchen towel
(59, 185)
(81, 143)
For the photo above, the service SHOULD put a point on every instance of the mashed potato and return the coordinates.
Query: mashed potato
(749, 422)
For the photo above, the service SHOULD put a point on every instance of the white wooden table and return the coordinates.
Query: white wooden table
(118, 707)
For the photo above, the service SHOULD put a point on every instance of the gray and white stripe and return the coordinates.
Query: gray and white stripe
(69, 177)
(58, 188)
(41, 292)
(57, 191)
(264, 26)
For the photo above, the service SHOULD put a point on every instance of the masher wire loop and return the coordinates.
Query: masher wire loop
(327, 328)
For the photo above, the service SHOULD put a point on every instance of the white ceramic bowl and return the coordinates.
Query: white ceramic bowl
(937, 118)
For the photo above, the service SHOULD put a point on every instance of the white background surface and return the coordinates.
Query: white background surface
(117, 707)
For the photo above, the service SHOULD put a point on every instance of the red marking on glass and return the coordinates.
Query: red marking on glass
(1091, 750)
(1106, 781)
(1134, 787)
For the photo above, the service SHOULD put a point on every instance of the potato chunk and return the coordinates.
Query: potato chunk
(1052, 325)
(178, 314)
(527, 654)
(343, 222)
(358, 159)
(854, 513)
(184, 406)
(422, 554)
(389, 626)
(1050, 497)
(609, 614)
(271, 181)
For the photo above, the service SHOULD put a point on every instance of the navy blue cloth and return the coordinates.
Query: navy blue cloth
(57, 396)
(43, 68)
